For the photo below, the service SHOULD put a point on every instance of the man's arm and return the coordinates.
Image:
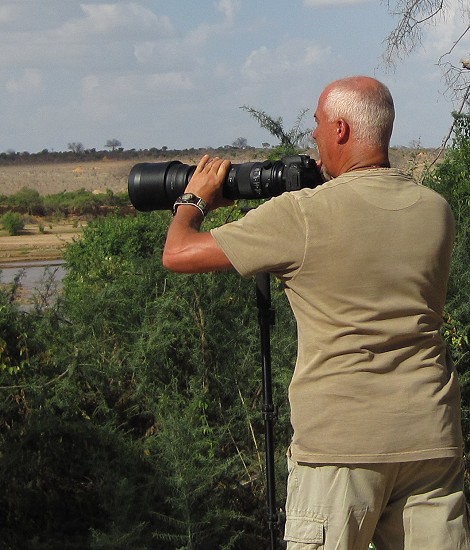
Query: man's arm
(187, 249)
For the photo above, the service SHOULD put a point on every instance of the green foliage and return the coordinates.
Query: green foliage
(27, 201)
(67, 203)
(14, 334)
(64, 477)
(13, 222)
(290, 140)
(131, 410)
(451, 178)
(82, 202)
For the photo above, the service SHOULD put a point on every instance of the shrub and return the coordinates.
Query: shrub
(12, 222)
(27, 201)
(451, 178)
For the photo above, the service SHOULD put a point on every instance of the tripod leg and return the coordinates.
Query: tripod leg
(266, 320)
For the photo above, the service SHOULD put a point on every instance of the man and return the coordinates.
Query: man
(376, 452)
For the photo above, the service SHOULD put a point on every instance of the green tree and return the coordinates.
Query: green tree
(291, 141)
(13, 222)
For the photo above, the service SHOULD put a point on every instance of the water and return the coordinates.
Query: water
(33, 273)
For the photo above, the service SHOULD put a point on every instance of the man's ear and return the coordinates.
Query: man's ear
(342, 131)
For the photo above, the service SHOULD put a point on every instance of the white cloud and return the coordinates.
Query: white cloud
(258, 62)
(145, 51)
(96, 34)
(445, 30)
(112, 94)
(315, 54)
(8, 13)
(165, 55)
(28, 84)
(112, 17)
(289, 59)
(90, 83)
(168, 82)
(204, 32)
(105, 24)
(229, 9)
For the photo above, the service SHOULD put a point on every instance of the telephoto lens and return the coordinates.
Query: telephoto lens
(157, 185)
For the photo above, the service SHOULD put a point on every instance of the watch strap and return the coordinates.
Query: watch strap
(193, 200)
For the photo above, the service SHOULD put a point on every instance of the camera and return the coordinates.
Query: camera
(157, 185)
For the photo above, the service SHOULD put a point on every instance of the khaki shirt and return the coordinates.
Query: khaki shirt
(365, 261)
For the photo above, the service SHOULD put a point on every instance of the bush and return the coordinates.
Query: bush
(451, 178)
(130, 412)
(27, 201)
(12, 222)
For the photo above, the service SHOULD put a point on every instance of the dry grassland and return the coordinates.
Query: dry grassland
(50, 179)
(98, 176)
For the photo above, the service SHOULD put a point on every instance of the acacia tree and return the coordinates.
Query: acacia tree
(291, 141)
(76, 147)
(240, 143)
(113, 144)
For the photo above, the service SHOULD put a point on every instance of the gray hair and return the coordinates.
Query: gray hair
(368, 110)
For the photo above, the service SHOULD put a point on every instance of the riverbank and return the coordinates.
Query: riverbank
(39, 242)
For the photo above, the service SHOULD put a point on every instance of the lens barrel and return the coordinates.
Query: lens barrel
(157, 185)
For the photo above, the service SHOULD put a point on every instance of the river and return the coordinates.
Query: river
(33, 273)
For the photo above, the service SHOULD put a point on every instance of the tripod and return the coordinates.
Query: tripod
(266, 320)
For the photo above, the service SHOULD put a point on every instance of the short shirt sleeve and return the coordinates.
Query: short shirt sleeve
(270, 238)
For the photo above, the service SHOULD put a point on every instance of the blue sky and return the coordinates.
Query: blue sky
(175, 73)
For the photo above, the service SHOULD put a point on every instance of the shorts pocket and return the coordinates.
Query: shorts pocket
(304, 528)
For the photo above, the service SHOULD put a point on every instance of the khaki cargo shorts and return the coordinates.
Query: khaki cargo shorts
(399, 506)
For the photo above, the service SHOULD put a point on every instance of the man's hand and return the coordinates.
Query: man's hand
(187, 249)
(208, 179)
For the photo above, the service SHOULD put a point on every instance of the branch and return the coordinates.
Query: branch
(48, 383)
(273, 126)
(414, 15)
(296, 134)
(454, 44)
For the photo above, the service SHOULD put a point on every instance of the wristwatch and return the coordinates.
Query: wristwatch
(193, 200)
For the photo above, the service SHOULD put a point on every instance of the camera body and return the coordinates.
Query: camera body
(157, 185)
